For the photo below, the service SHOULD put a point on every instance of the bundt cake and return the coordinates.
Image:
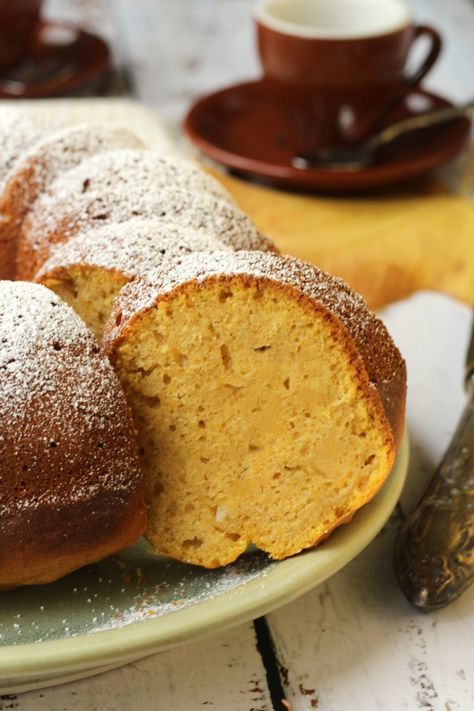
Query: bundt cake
(44, 161)
(89, 270)
(114, 187)
(70, 483)
(268, 400)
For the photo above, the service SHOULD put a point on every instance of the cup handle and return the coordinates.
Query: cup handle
(407, 84)
(431, 57)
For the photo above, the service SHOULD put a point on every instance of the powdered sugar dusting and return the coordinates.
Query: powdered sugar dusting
(132, 248)
(65, 149)
(64, 421)
(18, 133)
(121, 170)
(301, 275)
(109, 189)
(72, 212)
(131, 588)
(211, 586)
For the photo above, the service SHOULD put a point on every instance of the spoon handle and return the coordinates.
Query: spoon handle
(434, 552)
(430, 118)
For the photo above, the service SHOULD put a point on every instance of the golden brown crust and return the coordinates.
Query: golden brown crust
(7, 248)
(19, 132)
(129, 249)
(53, 542)
(70, 480)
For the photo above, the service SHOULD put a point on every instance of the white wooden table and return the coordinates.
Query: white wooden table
(352, 643)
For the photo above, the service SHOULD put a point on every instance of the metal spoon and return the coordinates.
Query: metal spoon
(361, 155)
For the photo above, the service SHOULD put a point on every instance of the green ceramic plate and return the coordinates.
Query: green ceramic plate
(135, 604)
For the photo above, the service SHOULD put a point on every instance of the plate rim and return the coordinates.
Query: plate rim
(284, 583)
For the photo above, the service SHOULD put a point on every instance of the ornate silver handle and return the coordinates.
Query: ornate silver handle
(434, 553)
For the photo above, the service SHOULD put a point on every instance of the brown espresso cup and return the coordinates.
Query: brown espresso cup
(338, 65)
(18, 22)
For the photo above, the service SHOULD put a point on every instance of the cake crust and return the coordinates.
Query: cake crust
(71, 485)
(131, 248)
(42, 162)
(89, 270)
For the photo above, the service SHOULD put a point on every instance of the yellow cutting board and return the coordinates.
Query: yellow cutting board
(385, 246)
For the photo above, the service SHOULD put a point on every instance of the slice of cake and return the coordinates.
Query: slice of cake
(89, 270)
(269, 402)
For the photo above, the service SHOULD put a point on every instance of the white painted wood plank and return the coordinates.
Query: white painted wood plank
(432, 332)
(355, 643)
(179, 50)
(222, 674)
(452, 74)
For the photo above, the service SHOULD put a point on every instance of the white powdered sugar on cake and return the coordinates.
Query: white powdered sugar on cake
(51, 365)
(18, 133)
(77, 201)
(70, 146)
(121, 169)
(132, 248)
(282, 269)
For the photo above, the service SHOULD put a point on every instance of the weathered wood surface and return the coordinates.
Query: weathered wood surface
(226, 669)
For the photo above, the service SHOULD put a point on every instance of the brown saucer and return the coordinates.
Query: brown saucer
(61, 59)
(247, 130)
